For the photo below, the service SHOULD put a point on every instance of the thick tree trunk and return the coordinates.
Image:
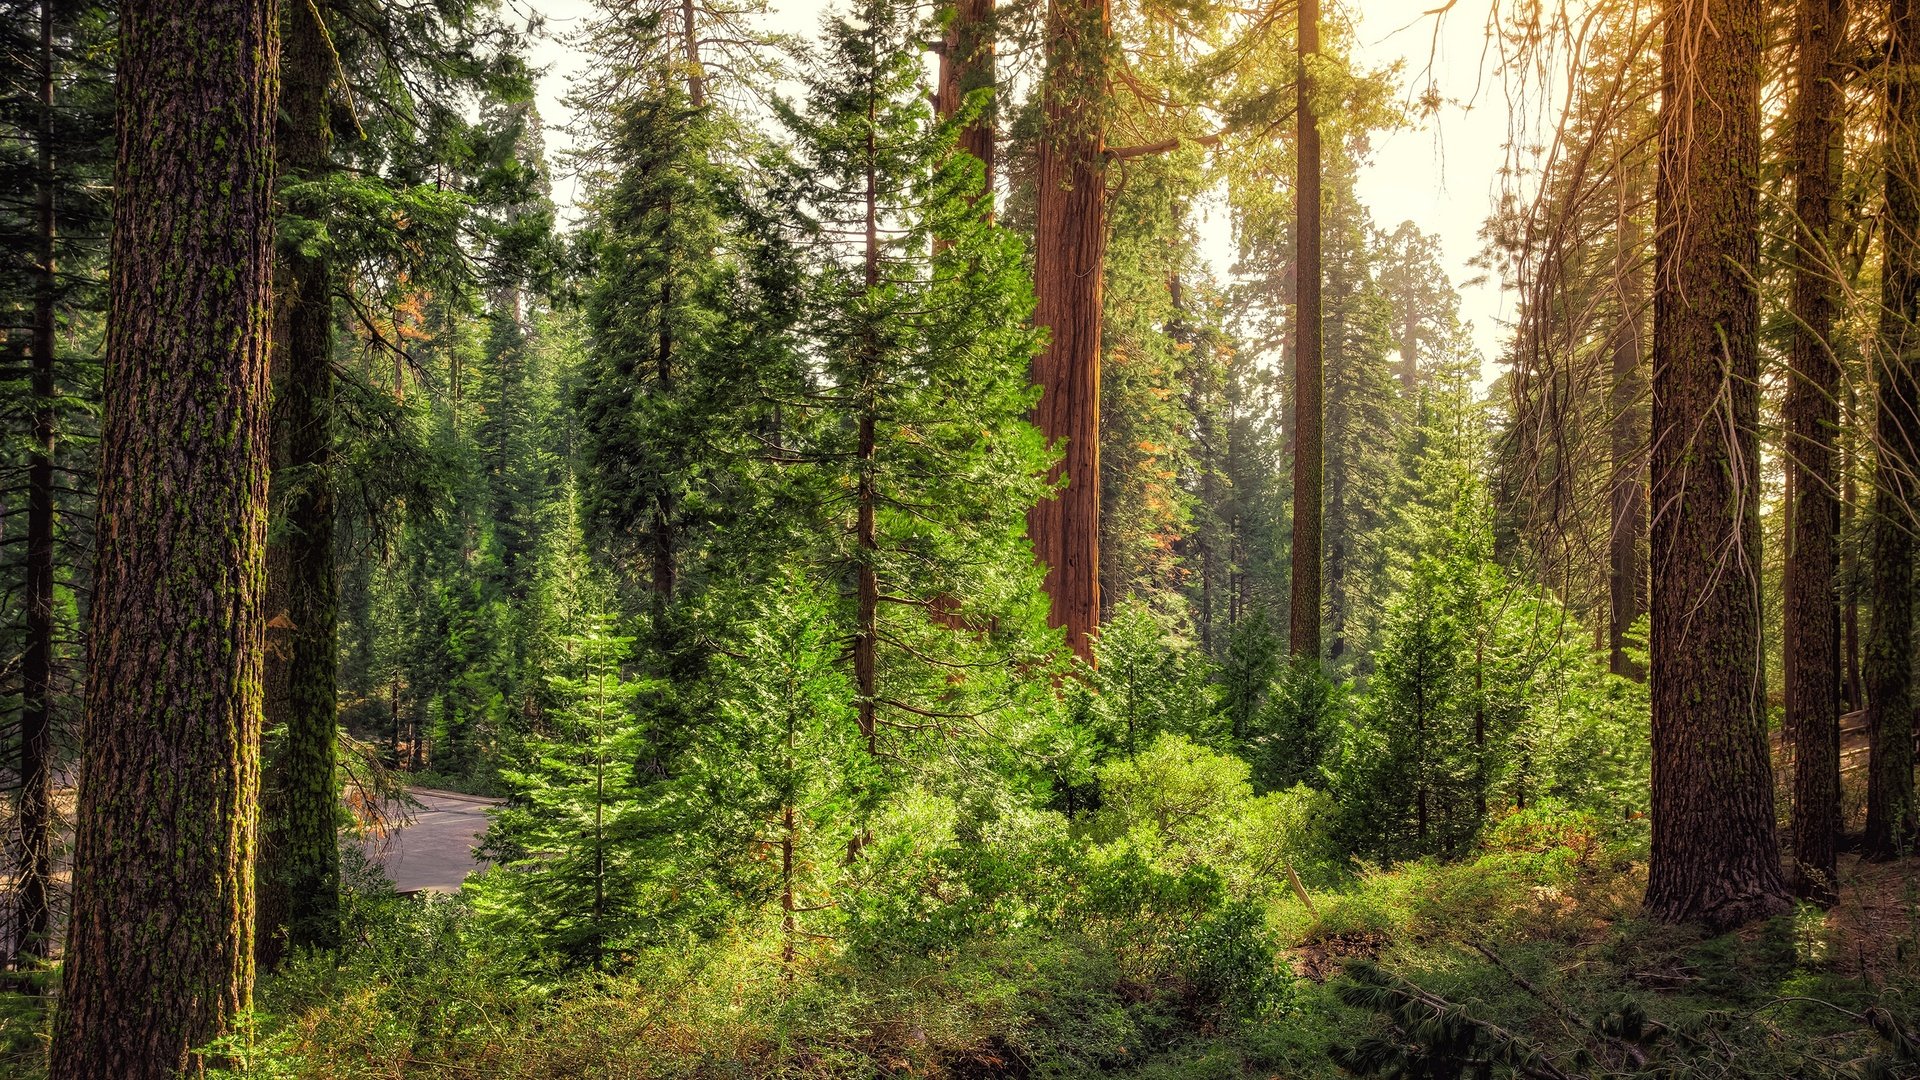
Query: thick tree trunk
(159, 955)
(1715, 859)
(299, 879)
(1626, 572)
(1070, 245)
(1890, 810)
(966, 65)
(1811, 618)
(33, 863)
(1307, 446)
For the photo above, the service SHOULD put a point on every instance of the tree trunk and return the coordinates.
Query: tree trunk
(1307, 447)
(665, 537)
(168, 790)
(866, 639)
(1070, 245)
(966, 65)
(690, 45)
(1626, 573)
(1811, 615)
(299, 879)
(1715, 859)
(1890, 810)
(34, 861)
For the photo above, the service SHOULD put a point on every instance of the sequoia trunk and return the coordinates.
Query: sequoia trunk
(966, 65)
(1070, 244)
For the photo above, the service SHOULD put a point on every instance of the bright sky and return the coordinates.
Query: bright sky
(1441, 175)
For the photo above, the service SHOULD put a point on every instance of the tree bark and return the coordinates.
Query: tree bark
(1070, 242)
(33, 913)
(690, 45)
(1811, 613)
(966, 65)
(159, 955)
(1715, 859)
(866, 639)
(299, 879)
(1307, 407)
(1890, 810)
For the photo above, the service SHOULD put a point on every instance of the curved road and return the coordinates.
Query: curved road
(434, 852)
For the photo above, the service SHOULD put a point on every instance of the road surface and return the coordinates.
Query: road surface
(435, 852)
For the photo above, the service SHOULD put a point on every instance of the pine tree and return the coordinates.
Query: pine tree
(172, 733)
(576, 808)
(915, 429)
(53, 219)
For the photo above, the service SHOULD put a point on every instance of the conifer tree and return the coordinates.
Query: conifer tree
(916, 428)
(172, 735)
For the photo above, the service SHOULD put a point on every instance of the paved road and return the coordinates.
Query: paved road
(435, 852)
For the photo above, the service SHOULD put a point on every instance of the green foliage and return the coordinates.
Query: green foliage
(567, 883)
(1145, 680)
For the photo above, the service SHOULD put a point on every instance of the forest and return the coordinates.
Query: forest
(958, 539)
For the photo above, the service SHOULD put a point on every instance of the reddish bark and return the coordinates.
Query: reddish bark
(1070, 241)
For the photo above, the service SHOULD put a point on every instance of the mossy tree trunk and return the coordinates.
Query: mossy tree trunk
(1811, 611)
(1889, 674)
(299, 879)
(1715, 859)
(159, 956)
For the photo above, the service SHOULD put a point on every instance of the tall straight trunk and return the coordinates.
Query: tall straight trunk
(1626, 572)
(1070, 245)
(33, 864)
(1714, 860)
(159, 955)
(665, 536)
(690, 47)
(866, 640)
(1849, 557)
(1307, 408)
(966, 65)
(1811, 613)
(1890, 810)
(299, 879)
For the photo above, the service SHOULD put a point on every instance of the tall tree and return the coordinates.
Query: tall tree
(171, 772)
(1891, 828)
(1714, 858)
(34, 910)
(299, 879)
(1811, 612)
(966, 66)
(53, 220)
(1307, 450)
(1070, 245)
